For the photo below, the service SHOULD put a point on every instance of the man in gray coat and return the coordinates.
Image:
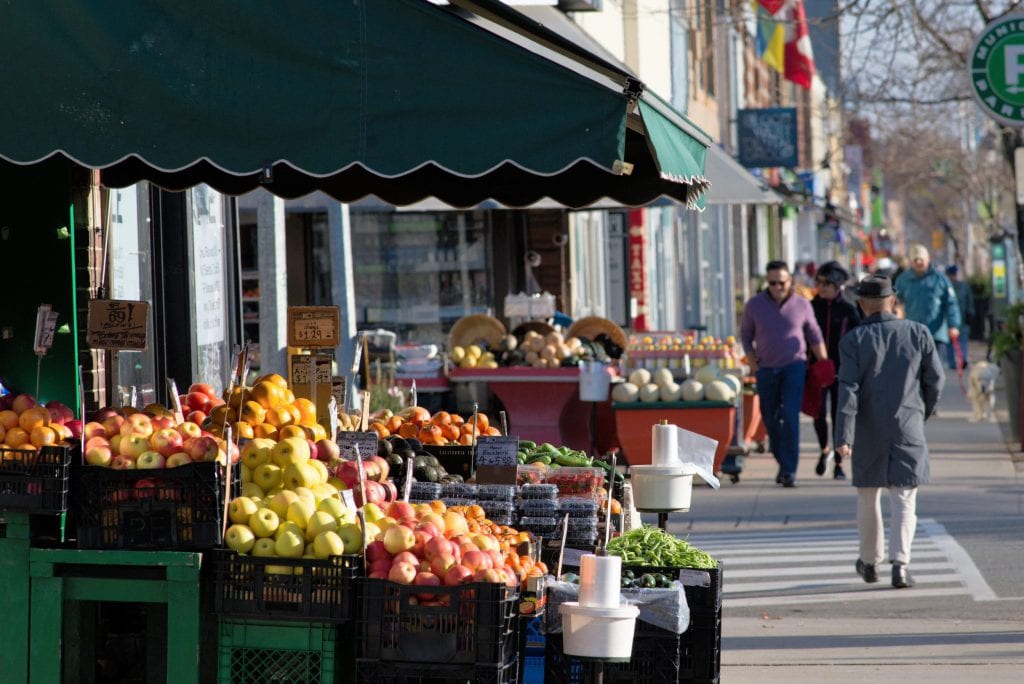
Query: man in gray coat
(890, 377)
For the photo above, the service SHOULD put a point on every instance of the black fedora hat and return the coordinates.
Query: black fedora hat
(875, 287)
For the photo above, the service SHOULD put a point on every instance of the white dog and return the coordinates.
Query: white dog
(982, 377)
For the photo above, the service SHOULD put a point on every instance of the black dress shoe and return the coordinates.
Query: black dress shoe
(822, 462)
(868, 572)
(901, 578)
(778, 477)
(788, 481)
(838, 473)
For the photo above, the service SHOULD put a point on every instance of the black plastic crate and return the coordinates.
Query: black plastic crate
(457, 460)
(699, 599)
(168, 508)
(377, 672)
(477, 625)
(35, 481)
(700, 649)
(655, 659)
(307, 589)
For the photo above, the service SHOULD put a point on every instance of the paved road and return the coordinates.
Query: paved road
(795, 611)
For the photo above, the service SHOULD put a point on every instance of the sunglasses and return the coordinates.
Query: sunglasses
(776, 283)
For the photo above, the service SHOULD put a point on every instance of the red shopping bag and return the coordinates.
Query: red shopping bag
(820, 374)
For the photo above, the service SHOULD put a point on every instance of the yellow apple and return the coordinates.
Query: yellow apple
(264, 522)
(299, 512)
(290, 545)
(241, 509)
(240, 538)
(320, 521)
(281, 501)
(290, 450)
(327, 544)
(264, 548)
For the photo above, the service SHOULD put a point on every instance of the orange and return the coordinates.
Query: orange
(480, 420)
(307, 409)
(441, 418)
(234, 398)
(243, 430)
(43, 435)
(408, 430)
(33, 418)
(420, 415)
(267, 394)
(218, 413)
(273, 378)
(253, 413)
(451, 432)
(17, 437)
(466, 440)
(394, 422)
(492, 431)
(429, 434)
(290, 431)
(8, 419)
(380, 428)
(468, 429)
(265, 430)
(279, 416)
(288, 396)
(296, 413)
(457, 419)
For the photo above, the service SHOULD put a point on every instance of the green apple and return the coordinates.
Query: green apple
(299, 512)
(322, 491)
(307, 494)
(290, 450)
(257, 452)
(372, 512)
(290, 545)
(297, 475)
(264, 548)
(267, 476)
(241, 509)
(252, 490)
(351, 536)
(334, 506)
(320, 521)
(240, 538)
(321, 470)
(282, 500)
(327, 544)
(372, 531)
(264, 522)
(288, 527)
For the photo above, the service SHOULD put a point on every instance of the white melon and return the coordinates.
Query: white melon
(649, 392)
(625, 392)
(640, 377)
(691, 390)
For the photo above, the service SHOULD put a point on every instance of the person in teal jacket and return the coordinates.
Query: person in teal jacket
(928, 297)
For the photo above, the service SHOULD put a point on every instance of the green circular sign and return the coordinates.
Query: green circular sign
(997, 70)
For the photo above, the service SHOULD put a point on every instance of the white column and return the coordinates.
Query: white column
(343, 292)
(273, 272)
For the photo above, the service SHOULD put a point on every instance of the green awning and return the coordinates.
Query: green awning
(679, 158)
(397, 98)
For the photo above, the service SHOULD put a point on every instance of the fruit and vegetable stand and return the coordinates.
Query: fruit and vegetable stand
(633, 420)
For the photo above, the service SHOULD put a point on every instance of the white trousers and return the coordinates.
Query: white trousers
(902, 525)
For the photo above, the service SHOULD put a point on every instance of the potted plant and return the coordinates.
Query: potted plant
(1006, 351)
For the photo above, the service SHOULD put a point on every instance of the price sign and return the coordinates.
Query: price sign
(496, 460)
(348, 441)
(300, 370)
(46, 325)
(572, 557)
(339, 390)
(117, 324)
(694, 578)
(313, 326)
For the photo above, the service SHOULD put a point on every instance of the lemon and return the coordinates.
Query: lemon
(458, 353)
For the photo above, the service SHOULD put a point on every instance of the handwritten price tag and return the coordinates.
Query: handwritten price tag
(313, 326)
(117, 324)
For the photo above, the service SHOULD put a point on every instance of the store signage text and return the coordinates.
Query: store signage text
(996, 70)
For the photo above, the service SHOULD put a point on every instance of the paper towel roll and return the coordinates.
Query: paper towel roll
(664, 445)
(600, 581)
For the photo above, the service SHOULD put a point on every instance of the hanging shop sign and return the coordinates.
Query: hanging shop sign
(637, 268)
(996, 70)
(313, 326)
(118, 324)
(767, 137)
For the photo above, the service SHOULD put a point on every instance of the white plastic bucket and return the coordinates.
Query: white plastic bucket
(598, 632)
(595, 381)
(657, 488)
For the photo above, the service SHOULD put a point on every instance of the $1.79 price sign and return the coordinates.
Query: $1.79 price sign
(313, 326)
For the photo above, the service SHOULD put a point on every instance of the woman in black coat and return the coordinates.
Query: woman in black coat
(836, 316)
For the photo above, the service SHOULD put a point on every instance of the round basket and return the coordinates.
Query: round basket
(539, 327)
(592, 326)
(474, 329)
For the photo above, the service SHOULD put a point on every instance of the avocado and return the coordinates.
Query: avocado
(384, 448)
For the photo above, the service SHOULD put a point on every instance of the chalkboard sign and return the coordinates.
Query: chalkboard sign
(347, 442)
(117, 324)
(496, 460)
(767, 137)
(313, 326)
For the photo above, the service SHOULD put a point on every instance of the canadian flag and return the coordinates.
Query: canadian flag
(790, 19)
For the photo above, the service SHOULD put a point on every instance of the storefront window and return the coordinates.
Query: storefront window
(131, 277)
(208, 256)
(663, 282)
(416, 274)
(587, 245)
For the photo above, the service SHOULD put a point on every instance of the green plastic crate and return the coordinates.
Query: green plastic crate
(255, 651)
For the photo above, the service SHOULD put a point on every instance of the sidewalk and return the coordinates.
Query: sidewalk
(905, 642)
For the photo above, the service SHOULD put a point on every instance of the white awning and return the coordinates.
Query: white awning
(733, 184)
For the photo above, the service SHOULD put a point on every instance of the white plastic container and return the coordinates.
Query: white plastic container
(595, 381)
(661, 488)
(605, 633)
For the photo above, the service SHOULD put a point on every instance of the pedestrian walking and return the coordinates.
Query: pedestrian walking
(776, 330)
(836, 316)
(965, 300)
(928, 298)
(890, 378)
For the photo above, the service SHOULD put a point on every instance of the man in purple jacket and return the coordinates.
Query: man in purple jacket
(777, 328)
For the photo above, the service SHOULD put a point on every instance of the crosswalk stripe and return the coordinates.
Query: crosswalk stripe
(803, 566)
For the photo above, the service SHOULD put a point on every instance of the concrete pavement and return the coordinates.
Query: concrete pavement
(977, 493)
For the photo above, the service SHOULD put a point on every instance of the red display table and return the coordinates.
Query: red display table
(714, 419)
(753, 426)
(534, 399)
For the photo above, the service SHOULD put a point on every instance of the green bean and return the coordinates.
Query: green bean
(654, 547)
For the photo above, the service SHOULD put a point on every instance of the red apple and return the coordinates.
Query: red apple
(327, 450)
(162, 422)
(202, 388)
(104, 413)
(314, 450)
(197, 417)
(376, 551)
(378, 574)
(204, 448)
(440, 564)
(76, 428)
(94, 430)
(145, 489)
(421, 541)
(427, 579)
(382, 463)
(438, 546)
(194, 401)
(22, 403)
(382, 565)
(371, 470)
(399, 538)
(429, 527)
(137, 424)
(122, 463)
(348, 472)
(390, 490)
(476, 560)
(375, 493)
(112, 424)
(487, 575)
(402, 573)
(166, 441)
(406, 557)
(98, 455)
(457, 574)
(400, 510)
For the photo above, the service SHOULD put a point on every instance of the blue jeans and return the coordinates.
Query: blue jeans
(781, 392)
